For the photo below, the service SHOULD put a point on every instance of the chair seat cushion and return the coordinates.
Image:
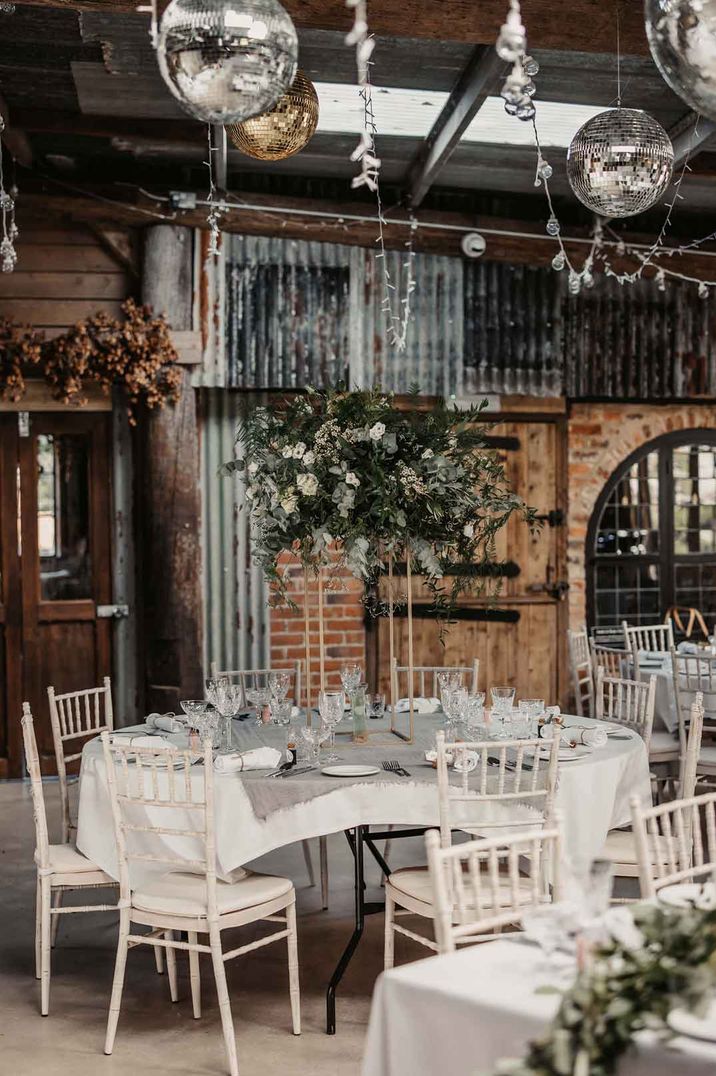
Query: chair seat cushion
(415, 883)
(621, 847)
(177, 893)
(663, 747)
(65, 859)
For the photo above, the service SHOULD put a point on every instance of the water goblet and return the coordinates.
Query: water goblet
(260, 699)
(330, 708)
(228, 703)
(279, 682)
(281, 712)
(376, 706)
(351, 677)
(313, 737)
(502, 701)
(475, 716)
(194, 710)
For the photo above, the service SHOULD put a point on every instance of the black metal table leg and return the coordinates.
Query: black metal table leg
(356, 844)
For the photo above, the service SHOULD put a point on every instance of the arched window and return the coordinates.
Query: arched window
(651, 542)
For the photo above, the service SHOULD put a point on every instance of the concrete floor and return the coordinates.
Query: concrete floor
(154, 1035)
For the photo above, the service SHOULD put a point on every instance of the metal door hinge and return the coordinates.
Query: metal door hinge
(116, 612)
(555, 518)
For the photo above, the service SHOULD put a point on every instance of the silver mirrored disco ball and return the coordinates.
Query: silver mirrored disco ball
(620, 162)
(227, 60)
(682, 38)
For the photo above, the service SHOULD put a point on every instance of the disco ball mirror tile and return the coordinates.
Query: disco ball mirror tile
(682, 38)
(226, 61)
(285, 129)
(620, 162)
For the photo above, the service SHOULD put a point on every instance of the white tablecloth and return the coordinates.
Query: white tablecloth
(593, 794)
(457, 1015)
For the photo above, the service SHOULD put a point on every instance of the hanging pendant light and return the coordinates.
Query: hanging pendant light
(285, 129)
(227, 60)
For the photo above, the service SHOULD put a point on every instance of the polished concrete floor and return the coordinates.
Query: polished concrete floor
(154, 1035)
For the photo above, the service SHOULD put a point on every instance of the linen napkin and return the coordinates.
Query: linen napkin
(594, 737)
(140, 740)
(686, 647)
(420, 706)
(166, 722)
(260, 758)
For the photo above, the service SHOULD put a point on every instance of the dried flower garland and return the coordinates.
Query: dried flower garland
(136, 353)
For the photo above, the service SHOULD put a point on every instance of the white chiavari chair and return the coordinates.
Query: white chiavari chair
(611, 659)
(159, 801)
(676, 842)
(425, 679)
(580, 666)
(627, 702)
(648, 638)
(509, 773)
(621, 847)
(60, 868)
(695, 675)
(478, 887)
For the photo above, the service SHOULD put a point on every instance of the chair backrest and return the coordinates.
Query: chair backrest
(580, 665)
(253, 679)
(32, 759)
(177, 802)
(675, 842)
(478, 887)
(694, 674)
(507, 771)
(425, 679)
(626, 702)
(652, 638)
(609, 658)
(75, 716)
(689, 759)
(607, 634)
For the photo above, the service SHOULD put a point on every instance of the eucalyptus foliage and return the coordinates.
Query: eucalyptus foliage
(356, 472)
(660, 958)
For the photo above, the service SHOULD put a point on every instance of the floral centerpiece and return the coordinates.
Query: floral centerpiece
(375, 479)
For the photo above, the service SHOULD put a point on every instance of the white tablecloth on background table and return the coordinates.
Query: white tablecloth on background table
(593, 794)
(457, 1015)
(664, 698)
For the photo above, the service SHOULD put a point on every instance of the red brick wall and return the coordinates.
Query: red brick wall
(600, 437)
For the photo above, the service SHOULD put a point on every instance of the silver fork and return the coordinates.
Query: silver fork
(394, 767)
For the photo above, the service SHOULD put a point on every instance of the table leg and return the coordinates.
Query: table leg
(356, 839)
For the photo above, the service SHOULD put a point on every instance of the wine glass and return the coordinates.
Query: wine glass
(314, 737)
(475, 715)
(502, 702)
(279, 682)
(455, 705)
(228, 703)
(330, 707)
(194, 710)
(259, 698)
(351, 677)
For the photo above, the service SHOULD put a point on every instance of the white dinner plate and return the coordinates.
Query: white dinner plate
(568, 754)
(683, 894)
(350, 771)
(695, 1027)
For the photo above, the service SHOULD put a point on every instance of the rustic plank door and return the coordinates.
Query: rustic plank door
(55, 485)
(519, 639)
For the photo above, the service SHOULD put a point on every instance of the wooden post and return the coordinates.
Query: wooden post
(307, 643)
(169, 479)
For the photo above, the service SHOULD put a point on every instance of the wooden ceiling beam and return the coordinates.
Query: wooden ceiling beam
(577, 25)
(474, 85)
(43, 121)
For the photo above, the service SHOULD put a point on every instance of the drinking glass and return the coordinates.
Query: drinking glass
(281, 712)
(351, 677)
(228, 703)
(543, 924)
(502, 702)
(376, 706)
(475, 716)
(330, 707)
(279, 683)
(259, 698)
(313, 737)
(455, 705)
(194, 710)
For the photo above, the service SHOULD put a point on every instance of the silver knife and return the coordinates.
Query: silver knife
(294, 770)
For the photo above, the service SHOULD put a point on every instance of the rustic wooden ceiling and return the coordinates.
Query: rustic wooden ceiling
(87, 105)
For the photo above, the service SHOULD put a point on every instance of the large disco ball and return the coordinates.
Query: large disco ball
(620, 162)
(682, 38)
(285, 129)
(226, 60)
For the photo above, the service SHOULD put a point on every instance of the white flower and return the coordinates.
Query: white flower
(299, 450)
(427, 454)
(353, 479)
(307, 484)
(249, 494)
(308, 459)
(468, 530)
(376, 432)
(287, 452)
(619, 924)
(253, 467)
(289, 504)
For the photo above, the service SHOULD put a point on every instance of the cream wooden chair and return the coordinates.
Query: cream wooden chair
(695, 675)
(580, 666)
(609, 658)
(60, 867)
(188, 898)
(521, 774)
(627, 702)
(478, 888)
(670, 842)
(621, 846)
(425, 677)
(649, 638)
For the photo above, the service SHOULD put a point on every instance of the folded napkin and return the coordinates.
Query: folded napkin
(260, 758)
(687, 648)
(166, 722)
(140, 740)
(420, 706)
(594, 737)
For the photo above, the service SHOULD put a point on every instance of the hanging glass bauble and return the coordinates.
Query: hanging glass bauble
(620, 162)
(682, 38)
(227, 60)
(283, 131)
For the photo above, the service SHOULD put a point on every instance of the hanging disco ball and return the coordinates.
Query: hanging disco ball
(682, 38)
(620, 162)
(227, 60)
(285, 129)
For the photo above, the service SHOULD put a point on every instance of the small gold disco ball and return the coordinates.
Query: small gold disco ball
(284, 130)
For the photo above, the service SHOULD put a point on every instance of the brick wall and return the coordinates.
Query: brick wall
(344, 630)
(600, 437)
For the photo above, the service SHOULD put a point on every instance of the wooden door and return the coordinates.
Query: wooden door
(56, 563)
(519, 638)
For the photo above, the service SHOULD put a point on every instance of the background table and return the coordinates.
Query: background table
(461, 1013)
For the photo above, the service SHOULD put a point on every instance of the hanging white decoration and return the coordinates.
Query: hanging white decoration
(682, 39)
(8, 254)
(620, 162)
(226, 60)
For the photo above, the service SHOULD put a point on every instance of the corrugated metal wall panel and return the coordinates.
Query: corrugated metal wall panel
(236, 619)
